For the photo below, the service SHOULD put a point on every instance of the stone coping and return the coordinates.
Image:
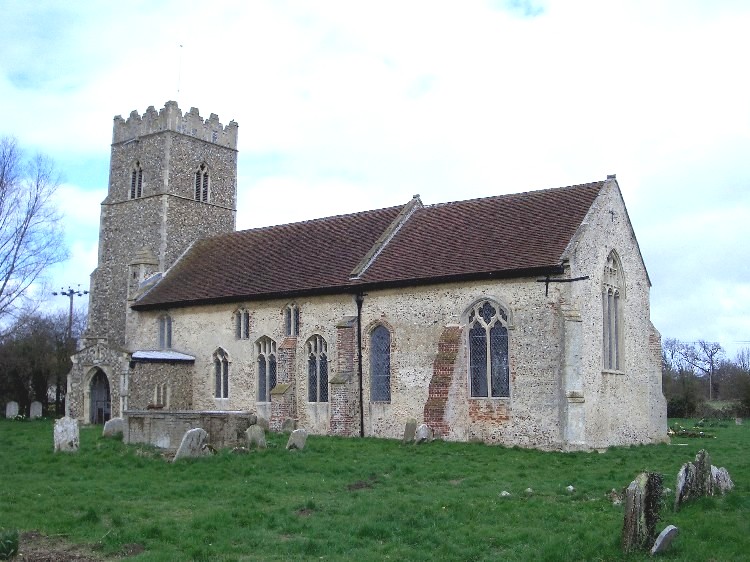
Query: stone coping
(188, 413)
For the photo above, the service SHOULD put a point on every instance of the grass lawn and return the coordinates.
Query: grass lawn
(361, 499)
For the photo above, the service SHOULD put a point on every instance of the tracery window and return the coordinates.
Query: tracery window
(613, 291)
(165, 331)
(266, 351)
(489, 371)
(317, 369)
(242, 324)
(201, 183)
(380, 365)
(221, 374)
(291, 320)
(136, 181)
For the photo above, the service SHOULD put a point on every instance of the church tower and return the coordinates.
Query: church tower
(172, 180)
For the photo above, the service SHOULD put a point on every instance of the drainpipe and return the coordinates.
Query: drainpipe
(360, 298)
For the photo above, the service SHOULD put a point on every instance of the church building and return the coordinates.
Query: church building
(518, 319)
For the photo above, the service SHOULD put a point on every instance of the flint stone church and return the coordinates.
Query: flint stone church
(518, 319)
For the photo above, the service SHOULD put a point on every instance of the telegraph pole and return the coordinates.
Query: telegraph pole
(71, 294)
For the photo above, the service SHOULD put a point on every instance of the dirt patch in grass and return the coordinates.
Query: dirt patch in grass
(359, 485)
(34, 546)
(305, 512)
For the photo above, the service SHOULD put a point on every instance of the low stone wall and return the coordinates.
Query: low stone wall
(166, 429)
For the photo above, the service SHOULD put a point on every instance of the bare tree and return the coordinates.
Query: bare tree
(30, 224)
(703, 356)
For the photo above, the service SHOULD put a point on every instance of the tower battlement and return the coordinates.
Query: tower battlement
(171, 118)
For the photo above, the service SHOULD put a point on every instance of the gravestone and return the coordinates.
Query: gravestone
(36, 410)
(66, 435)
(664, 539)
(112, 427)
(737, 421)
(11, 409)
(410, 430)
(423, 434)
(289, 425)
(256, 437)
(262, 422)
(694, 479)
(721, 480)
(297, 439)
(194, 444)
(642, 502)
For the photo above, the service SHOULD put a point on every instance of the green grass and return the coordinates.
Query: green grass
(360, 499)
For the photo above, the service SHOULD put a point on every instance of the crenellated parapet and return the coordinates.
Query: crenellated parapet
(171, 118)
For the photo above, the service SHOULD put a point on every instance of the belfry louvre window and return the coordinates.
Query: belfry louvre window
(266, 351)
(165, 331)
(380, 365)
(221, 374)
(488, 351)
(317, 369)
(136, 181)
(613, 291)
(201, 183)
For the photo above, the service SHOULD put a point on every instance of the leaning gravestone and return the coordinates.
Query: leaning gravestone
(262, 422)
(112, 427)
(66, 435)
(410, 430)
(297, 439)
(665, 538)
(36, 410)
(289, 425)
(694, 479)
(721, 480)
(423, 434)
(256, 437)
(642, 501)
(194, 444)
(11, 409)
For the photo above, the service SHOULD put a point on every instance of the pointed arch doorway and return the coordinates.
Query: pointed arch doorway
(101, 406)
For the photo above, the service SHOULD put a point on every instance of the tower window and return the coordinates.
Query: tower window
(136, 181)
(201, 183)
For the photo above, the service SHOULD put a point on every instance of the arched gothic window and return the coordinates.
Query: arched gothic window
(221, 374)
(266, 351)
(317, 369)
(380, 365)
(136, 181)
(489, 371)
(613, 292)
(165, 331)
(242, 324)
(291, 320)
(201, 183)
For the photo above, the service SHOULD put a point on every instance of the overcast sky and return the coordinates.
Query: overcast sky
(345, 106)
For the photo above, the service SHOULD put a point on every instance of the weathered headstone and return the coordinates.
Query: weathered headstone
(194, 444)
(410, 430)
(36, 410)
(642, 501)
(737, 421)
(289, 425)
(256, 437)
(297, 439)
(423, 434)
(11, 409)
(694, 479)
(112, 427)
(66, 435)
(262, 422)
(664, 539)
(721, 480)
